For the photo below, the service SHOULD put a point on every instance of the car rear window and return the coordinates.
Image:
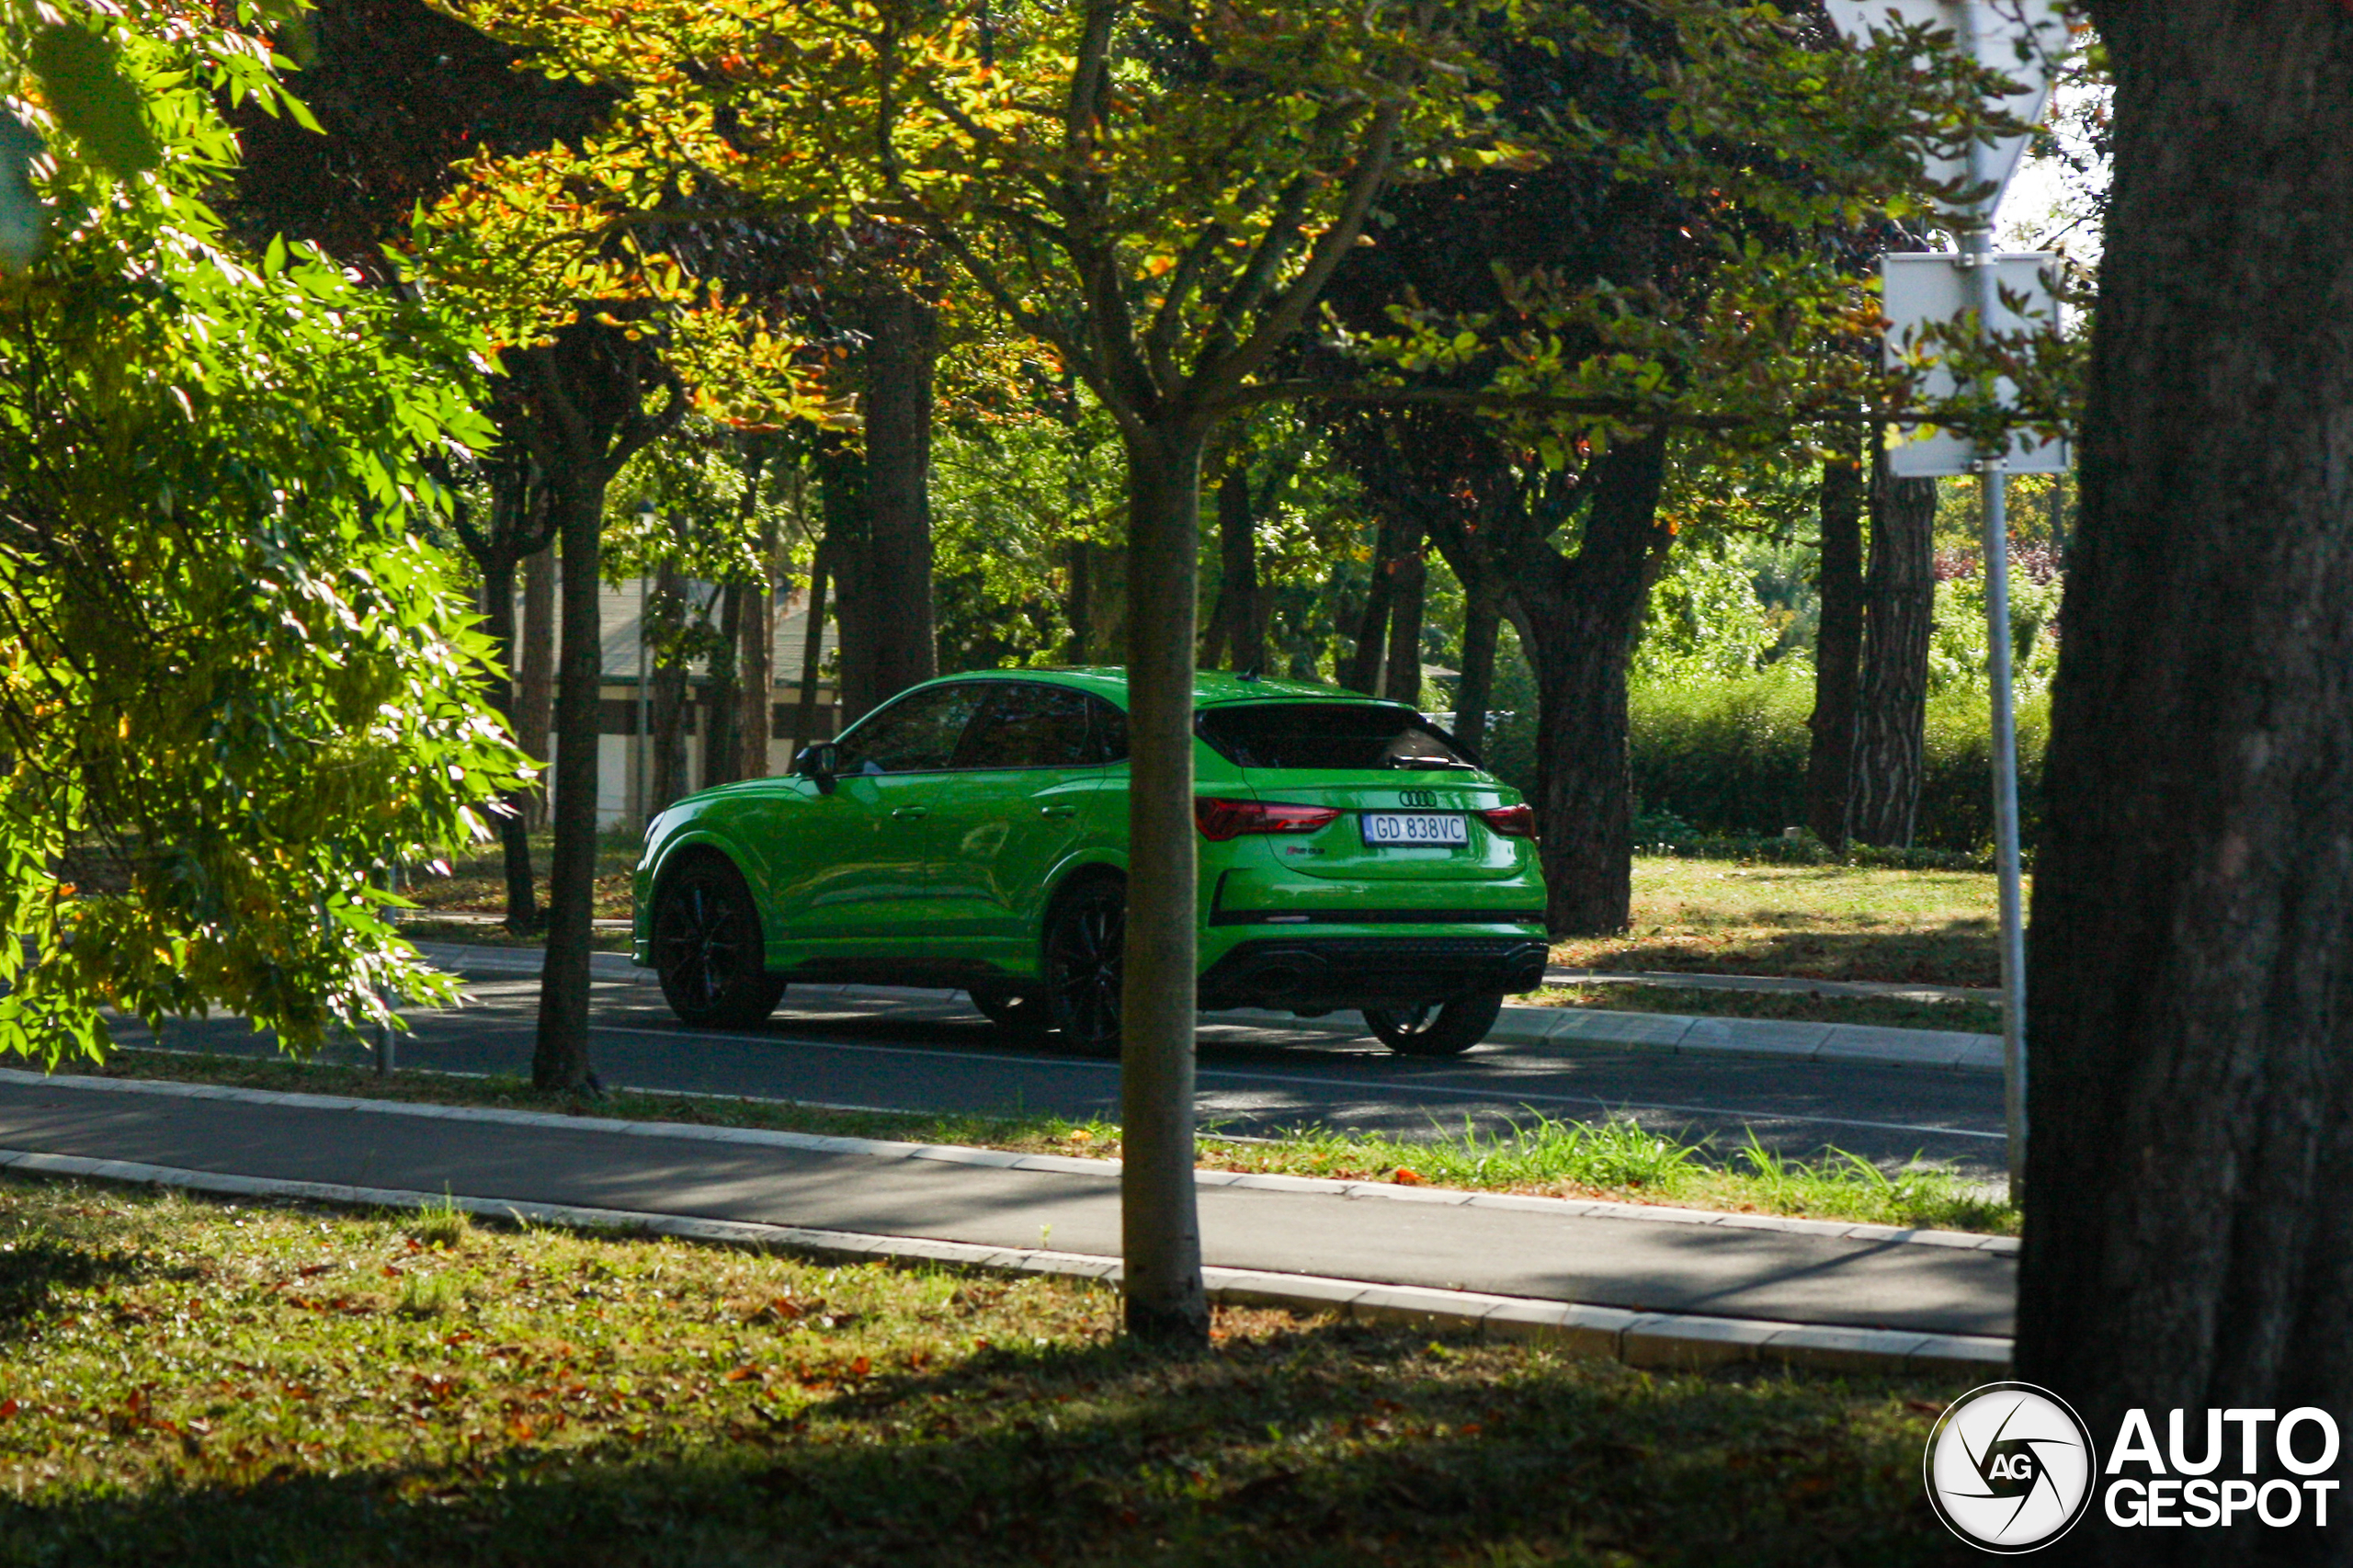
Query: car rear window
(1350, 737)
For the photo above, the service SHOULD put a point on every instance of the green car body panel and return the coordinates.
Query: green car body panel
(945, 875)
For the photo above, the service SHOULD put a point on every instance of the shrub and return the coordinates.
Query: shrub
(1728, 757)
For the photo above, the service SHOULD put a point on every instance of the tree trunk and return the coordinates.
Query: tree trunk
(723, 704)
(2186, 1241)
(514, 832)
(812, 650)
(1578, 620)
(1160, 1226)
(535, 694)
(1401, 677)
(895, 584)
(1482, 617)
(592, 385)
(756, 663)
(1082, 600)
(559, 1057)
(1363, 672)
(667, 701)
(841, 471)
(1899, 617)
(1837, 648)
(1237, 631)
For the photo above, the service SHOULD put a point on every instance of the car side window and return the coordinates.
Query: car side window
(918, 733)
(1107, 732)
(1031, 726)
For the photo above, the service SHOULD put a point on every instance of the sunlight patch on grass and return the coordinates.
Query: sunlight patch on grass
(1814, 922)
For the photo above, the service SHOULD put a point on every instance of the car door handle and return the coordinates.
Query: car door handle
(1057, 811)
(908, 814)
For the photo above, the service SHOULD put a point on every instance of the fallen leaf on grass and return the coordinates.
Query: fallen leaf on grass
(1404, 1175)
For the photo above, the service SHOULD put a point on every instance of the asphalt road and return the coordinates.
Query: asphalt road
(915, 1050)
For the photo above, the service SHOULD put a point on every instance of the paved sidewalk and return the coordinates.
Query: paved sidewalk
(1861, 1295)
(1563, 1030)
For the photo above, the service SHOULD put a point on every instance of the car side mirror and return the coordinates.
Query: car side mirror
(819, 764)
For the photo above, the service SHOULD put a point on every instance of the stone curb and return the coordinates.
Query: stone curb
(1550, 1032)
(1908, 990)
(1663, 1340)
(1004, 1159)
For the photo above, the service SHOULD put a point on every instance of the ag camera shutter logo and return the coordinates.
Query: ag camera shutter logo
(2010, 1467)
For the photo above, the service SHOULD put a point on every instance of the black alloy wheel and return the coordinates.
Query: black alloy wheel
(707, 948)
(1437, 1029)
(1014, 1008)
(1085, 953)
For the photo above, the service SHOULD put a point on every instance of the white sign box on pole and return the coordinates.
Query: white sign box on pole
(2026, 40)
(1936, 288)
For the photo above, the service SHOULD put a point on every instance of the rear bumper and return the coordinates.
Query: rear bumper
(1323, 973)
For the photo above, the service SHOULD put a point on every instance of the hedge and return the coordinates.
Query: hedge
(1726, 758)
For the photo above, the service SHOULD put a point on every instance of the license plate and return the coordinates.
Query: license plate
(1409, 830)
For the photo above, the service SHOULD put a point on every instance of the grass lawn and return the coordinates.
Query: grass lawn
(1612, 1159)
(1815, 922)
(190, 1383)
(477, 884)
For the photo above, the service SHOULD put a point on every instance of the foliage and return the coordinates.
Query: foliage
(1957, 649)
(1728, 755)
(233, 689)
(709, 509)
(1705, 621)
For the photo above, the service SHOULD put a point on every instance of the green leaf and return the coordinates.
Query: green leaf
(85, 85)
(20, 210)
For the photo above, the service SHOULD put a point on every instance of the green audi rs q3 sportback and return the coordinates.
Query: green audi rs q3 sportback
(972, 833)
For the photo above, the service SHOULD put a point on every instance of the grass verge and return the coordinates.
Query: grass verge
(1613, 1159)
(209, 1384)
(1799, 1006)
(1936, 928)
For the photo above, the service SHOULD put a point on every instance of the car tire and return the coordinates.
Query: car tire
(1014, 1008)
(1086, 943)
(1443, 1028)
(707, 949)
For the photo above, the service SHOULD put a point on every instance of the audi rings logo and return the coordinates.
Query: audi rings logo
(2010, 1467)
(1422, 798)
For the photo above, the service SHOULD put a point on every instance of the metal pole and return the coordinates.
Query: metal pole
(1977, 245)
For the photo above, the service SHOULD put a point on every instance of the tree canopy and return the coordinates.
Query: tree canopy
(236, 682)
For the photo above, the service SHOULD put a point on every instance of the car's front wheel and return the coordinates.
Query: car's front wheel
(1441, 1028)
(707, 949)
(1087, 934)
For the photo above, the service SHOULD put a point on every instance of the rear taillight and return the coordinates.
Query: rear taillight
(1221, 820)
(1511, 821)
